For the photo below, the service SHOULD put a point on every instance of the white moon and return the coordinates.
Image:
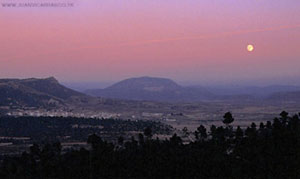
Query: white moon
(250, 48)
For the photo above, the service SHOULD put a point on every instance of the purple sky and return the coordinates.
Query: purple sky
(199, 41)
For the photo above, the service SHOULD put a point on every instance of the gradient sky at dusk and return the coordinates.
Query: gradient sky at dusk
(186, 40)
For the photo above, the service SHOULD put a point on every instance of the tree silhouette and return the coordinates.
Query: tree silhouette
(35, 150)
(201, 133)
(95, 141)
(148, 132)
(141, 138)
(175, 140)
(228, 118)
(239, 132)
(121, 140)
(284, 116)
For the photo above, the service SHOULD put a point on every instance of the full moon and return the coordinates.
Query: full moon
(250, 48)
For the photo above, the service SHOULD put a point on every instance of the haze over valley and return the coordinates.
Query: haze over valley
(147, 98)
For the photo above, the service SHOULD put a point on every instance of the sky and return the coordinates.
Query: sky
(201, 41)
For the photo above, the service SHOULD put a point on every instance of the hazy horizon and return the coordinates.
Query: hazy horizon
(82, 85)
(94, 84)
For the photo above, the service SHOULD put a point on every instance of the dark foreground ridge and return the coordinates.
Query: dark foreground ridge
(270, 150)
(66, 129)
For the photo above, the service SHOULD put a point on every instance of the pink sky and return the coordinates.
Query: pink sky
(184, 40)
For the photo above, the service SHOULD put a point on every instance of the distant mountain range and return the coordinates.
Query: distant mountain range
(285, 96)
(48, 92)
(162, 89)
(35, 92)
(255, 91)
(152, 89)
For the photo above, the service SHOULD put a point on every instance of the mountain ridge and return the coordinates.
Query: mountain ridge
(34, 92)
(48, 92)
(152, 89)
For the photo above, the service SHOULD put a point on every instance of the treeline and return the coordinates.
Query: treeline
(54, 128)
(270, 150)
